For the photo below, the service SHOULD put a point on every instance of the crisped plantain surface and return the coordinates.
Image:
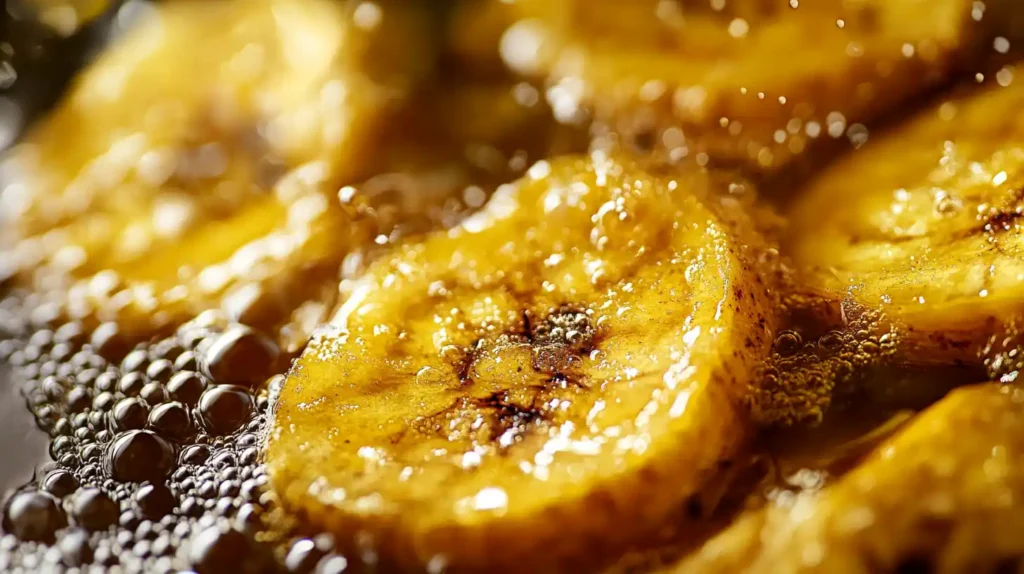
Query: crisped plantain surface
(539, 387)
(943, 495)
(747, 83)
(929, 229)
(203, 153)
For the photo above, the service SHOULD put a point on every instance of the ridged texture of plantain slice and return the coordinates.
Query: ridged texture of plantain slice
(929, 230)
(207, 149)
(544, 384)
(942, 495)
(752, 84)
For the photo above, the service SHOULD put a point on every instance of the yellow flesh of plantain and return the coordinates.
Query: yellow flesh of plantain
(208, 148)
(942, 494)
(574, 358)
(929, 229)
(752, 84)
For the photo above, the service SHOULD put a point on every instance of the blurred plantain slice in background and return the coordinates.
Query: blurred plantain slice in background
(747, 83)
(928, 238)
(942, 495)
(207, 145)
(211, 144)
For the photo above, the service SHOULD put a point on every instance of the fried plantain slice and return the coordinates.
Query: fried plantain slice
(207, 93)
(752, 84)
(540, 386)
(941, 495)
(203, 152)
(929, 231)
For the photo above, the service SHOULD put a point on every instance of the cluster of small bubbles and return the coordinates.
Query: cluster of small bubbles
(565, 326)
(155, 448)
(1001, 353)
(824, 347)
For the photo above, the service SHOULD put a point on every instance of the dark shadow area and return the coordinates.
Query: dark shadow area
(36, 63)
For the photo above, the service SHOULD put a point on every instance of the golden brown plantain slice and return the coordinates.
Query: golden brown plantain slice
(942, 495)
(749, 83)
(214, 99)
(203, 152)
(929, 230)
(539, 387)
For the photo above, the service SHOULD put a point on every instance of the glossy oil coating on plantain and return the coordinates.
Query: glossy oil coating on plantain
(929, 233)
(540, 386)
(748, 83)
(942, 495)
(208, 146)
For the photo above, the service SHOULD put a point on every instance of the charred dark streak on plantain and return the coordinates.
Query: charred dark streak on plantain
(527, 330)
(503, 416)
(558, 328)
(559, 363)
(557, 343)
(462, 366)
(509, 416)
(1001, 221)
(561, 381)
(565, 335)
(397, 437)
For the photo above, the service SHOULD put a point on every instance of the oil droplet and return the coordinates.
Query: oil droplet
(154, 501)
(186, 387)
(139, 456)
(94, 510)
(217, 549)
(240, 356)
(787, 343)
(33, 516)
(172, 421)
(224, 408)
